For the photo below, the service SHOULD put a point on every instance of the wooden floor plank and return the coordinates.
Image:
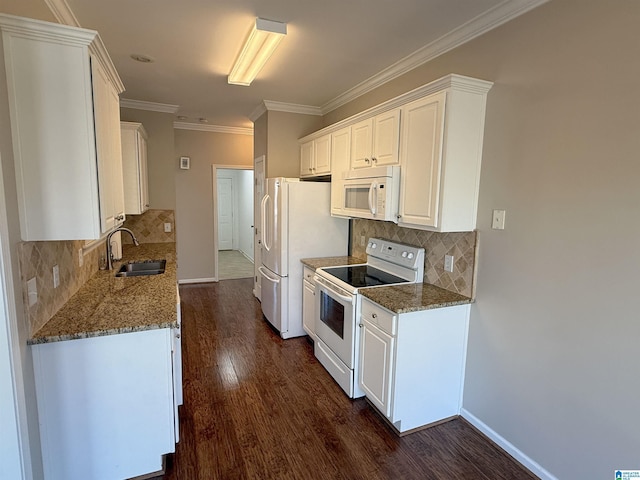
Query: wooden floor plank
(257, 406)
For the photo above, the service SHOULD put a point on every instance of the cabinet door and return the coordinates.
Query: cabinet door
(361, 137)
(340, 153)
(144, 179)
(108, 150)
(386, 138)
(376, 365)
(421, 161)
(309, 308)
(306, 159)
(322, 155)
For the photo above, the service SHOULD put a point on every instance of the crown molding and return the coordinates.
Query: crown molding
(149, 106)
(258, 112)
(448, 82)
(62, 12)
(498, 15)
(213, 128)
(292, 108)
(273, 106)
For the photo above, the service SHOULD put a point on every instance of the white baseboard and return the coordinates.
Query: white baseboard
(197, 280)
(507, 446)
(246, 255)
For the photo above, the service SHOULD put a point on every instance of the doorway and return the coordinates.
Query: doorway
(233, 222)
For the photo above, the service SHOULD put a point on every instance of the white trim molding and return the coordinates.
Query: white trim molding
(273, 106)
(292, 108)
(149, 106)
(498, 15)
(187, 281)
(62, 12)
(507, 446)
(213, 128)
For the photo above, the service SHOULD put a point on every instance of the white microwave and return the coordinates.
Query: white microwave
(372, 193)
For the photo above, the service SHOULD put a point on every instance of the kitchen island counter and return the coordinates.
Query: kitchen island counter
(108, 305)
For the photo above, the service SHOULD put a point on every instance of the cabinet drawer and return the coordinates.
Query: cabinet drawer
(308, 274)
(380, 317)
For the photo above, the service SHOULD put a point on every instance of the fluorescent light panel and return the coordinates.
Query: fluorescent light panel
(263, 40)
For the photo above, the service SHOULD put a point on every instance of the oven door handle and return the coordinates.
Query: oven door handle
(321, 281)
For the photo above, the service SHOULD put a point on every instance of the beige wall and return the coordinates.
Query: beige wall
(276, 136)
(161, 159)
(551, 360)
(194, 195)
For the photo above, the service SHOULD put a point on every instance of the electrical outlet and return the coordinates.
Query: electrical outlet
(80, 257)
(363, 240)
(56, 276)
(32, 291)
(167, 227)
(497, 222)
(448, 263)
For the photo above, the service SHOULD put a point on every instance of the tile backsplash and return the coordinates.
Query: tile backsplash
(462, 245)
(38, 258)
(149, 227)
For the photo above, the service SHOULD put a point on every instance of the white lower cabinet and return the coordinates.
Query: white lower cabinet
(412, 364)
(106, 405)
(309, 303)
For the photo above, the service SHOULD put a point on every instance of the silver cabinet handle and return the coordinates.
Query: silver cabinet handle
(361, 325)
(374, 315)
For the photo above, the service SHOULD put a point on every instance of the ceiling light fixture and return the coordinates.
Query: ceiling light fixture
(263, 40)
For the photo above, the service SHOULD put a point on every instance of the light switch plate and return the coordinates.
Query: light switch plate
(32, 291)
(448, 263)
(80, 257)
(56, 276)
(497, 222)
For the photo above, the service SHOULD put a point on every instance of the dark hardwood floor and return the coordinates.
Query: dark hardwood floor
(259, 407)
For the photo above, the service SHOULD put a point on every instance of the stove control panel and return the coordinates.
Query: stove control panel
(405, 255)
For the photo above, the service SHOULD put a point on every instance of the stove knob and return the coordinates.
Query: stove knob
(410, 255)
(374, 245)
(404, 254)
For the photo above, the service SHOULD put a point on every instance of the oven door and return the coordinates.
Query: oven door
(335, 320)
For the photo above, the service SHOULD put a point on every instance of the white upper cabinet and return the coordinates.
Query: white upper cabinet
(374, 141)
(134, 168)
(340, 155)
(65, 125)
(315, 157)
(441, 153)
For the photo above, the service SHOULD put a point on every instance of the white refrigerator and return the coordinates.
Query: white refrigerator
(296, 224)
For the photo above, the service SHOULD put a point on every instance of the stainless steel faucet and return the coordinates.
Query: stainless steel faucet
(110, 252)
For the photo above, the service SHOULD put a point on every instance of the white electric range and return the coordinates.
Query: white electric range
(338, 304)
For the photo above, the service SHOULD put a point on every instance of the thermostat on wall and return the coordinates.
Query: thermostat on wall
(185, 163)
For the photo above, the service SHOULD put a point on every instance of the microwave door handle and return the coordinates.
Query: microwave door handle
(372, 197)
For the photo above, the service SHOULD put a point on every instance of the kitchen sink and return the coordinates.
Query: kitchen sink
(141, 268)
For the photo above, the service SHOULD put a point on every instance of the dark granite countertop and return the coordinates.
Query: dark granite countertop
(108, 305)
(413, 297)
(322, 262)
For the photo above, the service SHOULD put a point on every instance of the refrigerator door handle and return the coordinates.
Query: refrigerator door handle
(266, 275)
(265, 225)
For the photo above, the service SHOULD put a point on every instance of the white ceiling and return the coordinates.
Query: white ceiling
(334, 49)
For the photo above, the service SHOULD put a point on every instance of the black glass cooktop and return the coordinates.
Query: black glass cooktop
(363, 276)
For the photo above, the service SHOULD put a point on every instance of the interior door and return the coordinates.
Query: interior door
(225, 214)
(258, 193)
